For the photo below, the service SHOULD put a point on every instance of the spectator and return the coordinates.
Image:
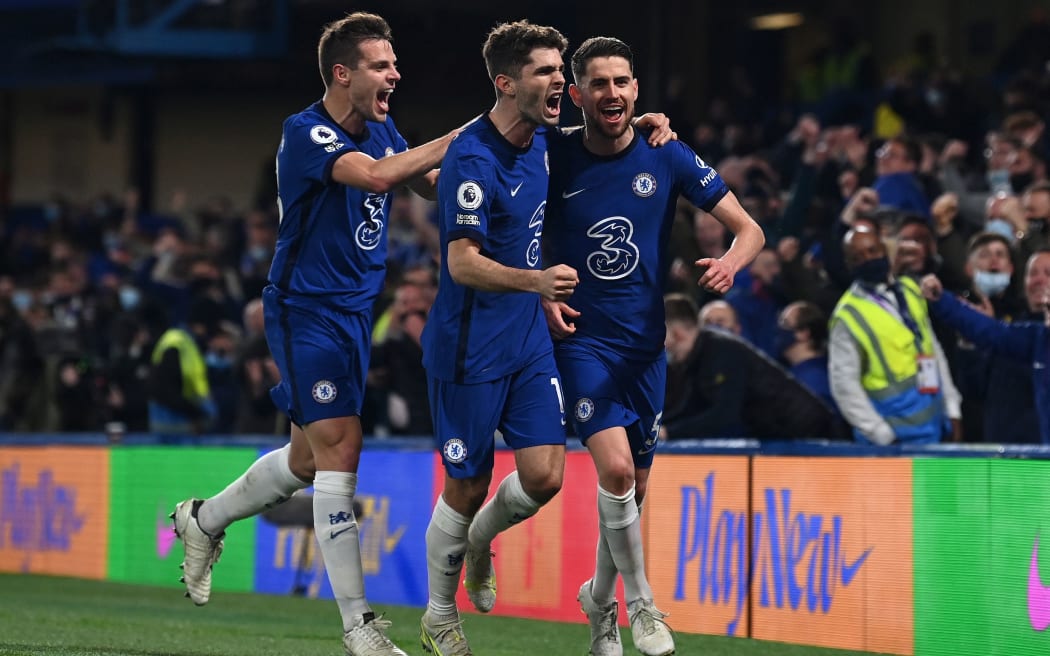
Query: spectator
(898, 186)
(256, 374)
(757, 298)
(996, 391)
(888, 374)
(719, 314)
(1036, 206)
(180, 396)
(718, 385)
(1027, 342)
(802, 341)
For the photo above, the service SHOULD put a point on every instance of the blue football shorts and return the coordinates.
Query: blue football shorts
(527, 407)
(604, 390)
(322, 354)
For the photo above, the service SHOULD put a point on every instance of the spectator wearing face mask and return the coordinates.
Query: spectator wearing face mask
(888, 373)
(996, 390)
(802, 341)
(1026, 341)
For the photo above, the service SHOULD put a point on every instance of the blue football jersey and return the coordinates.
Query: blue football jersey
(610, 219)
(494, 193)
(331, 243)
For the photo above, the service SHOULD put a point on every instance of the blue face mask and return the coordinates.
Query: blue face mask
(783, 339)
(1001, 227)
(259, 253)
(999, 181)
(129, 298)
(21, 299)
(217, 360)
(991, 283)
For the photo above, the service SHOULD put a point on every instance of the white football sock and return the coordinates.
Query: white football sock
(603, 583)
(509, 506)
(446, 545)
(620, 526)
(337, 534)
(267, 482)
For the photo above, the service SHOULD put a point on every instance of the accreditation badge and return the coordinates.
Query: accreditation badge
(928, 377)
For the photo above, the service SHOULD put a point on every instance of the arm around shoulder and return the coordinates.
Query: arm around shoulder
(379, 176)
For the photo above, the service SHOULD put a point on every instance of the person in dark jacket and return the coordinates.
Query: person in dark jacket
(1023, 341)
(719, 385)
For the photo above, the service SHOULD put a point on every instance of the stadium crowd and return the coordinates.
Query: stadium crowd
(947, 170)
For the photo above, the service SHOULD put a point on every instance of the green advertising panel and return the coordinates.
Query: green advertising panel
(982, 557)
(146, 483)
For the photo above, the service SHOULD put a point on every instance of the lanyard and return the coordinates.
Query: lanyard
(902, 310)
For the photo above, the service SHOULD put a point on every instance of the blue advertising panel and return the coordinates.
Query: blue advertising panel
(394, 492)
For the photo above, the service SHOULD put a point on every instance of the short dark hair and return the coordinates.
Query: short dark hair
(812, 318)
(681, 308)
(912, 148)
(509, 45)
(984, 238)
(1043, 186)
(599, 46)
(341, 40)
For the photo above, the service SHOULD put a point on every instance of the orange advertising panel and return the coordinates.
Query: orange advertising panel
(54, 504)
(541, 562)
(833, 552)
(696, 542)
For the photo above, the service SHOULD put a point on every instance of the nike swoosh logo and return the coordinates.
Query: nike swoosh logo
(165, 538)
(567, 194)
(1038, 594)
(336, 534)
(514, 191)
(849, 571)
(390, 541)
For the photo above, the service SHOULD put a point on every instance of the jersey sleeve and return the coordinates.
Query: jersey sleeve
(314, 147)
(466, 199)
(699, 182)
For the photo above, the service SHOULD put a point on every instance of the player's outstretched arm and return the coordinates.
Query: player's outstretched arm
(379, 176)
(748, 240)
(470, 268)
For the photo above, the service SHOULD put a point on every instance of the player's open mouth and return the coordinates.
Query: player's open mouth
(383, 99)
(553, 104)
(612, 113)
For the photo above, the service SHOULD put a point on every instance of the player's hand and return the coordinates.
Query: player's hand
(931, 287)
(558, 282)
(661, 126)
(718, 277)
(559, 318)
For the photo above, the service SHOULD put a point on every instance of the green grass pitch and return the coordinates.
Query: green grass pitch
(49, 616)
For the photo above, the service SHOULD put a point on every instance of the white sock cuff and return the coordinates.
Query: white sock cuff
(288, 482)
(447, 519)
(516, 497)
(342, 484)
(616, 511)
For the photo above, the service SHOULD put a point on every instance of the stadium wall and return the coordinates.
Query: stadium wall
(922, 553)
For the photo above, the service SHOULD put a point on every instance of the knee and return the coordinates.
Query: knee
(302, 466)
(618, 477)
(544, 486)
(466, 496)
